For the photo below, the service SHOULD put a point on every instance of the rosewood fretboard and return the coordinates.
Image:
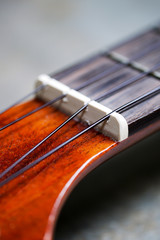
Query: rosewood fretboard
(30, 202)
(128, 61)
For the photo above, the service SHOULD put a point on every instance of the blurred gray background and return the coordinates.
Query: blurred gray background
(44, 36)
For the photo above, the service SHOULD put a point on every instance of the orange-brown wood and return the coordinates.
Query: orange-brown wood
(30, 204)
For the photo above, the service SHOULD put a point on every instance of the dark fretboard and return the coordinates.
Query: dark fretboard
(136, 61)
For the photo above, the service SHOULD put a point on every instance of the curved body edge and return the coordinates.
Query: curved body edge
(79, 175)
(31, 203)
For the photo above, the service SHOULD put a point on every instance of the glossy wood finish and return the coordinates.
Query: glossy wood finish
(97, 68)
(29, 205)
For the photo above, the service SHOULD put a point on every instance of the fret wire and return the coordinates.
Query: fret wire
(118, 66)
(155, 29)
(42, 141)
(120, 109)
(103, 96)
(127, 83)
(23, 98)
(151, 48)
(105, 73)
(77, 66)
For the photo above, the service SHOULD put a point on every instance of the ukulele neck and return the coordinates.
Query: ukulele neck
(119, 76)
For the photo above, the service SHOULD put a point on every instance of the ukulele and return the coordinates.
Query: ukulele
(79, 118)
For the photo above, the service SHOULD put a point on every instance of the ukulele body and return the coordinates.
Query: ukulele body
(31, 203)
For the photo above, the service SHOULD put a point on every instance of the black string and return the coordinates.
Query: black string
(119, 109)
(98, 77)
(118, 66)
(23, 98)
(101, 75)
(105, 73)
(127, 83)
(68, 71)
(90, 81)
(105, 95)
(47, 137)
(34, 111)
(109, 93)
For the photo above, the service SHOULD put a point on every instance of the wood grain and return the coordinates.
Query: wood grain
(138, 44)
(110, 81)
(30, 204)
(27, 203)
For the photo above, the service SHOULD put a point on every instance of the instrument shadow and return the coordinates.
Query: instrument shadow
(111, 197)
